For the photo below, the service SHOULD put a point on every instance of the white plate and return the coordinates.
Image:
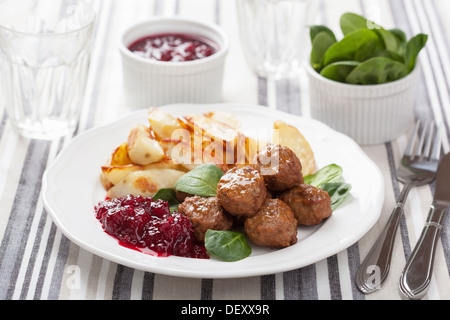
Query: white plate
(71, 189)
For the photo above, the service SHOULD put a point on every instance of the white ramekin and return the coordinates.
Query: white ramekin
(370, 114)
(150, 83)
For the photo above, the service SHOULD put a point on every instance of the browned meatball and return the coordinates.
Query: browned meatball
(181, 196)
(205, 213)
(309, 204)
(239, 220)
(273, 226)
(242, 191)
(279, 166)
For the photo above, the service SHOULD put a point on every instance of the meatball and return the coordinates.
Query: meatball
(181, 196)
(205, 213)
(273, 226)
(309, 204)
(280, 167)
(242, 191)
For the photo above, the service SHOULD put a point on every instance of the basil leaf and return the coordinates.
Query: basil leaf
(329, 173)
(338, 192)
(201, 181)
(227, 246)
(169, 195)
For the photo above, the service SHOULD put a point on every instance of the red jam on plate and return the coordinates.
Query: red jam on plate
(147, 225)
(173, 47)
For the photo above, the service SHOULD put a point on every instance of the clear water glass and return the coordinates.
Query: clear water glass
(274, 35)
(44, 60)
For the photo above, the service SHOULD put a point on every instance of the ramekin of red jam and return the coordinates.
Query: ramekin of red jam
(174, 47)
(169, 60)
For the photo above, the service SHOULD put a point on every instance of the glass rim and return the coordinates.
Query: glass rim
(86, 25)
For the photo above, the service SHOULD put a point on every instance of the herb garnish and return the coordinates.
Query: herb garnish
(201, 181)
(329, 179)
(227, 246)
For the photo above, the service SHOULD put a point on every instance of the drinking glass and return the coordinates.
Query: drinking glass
(274, 35)
(44, 61)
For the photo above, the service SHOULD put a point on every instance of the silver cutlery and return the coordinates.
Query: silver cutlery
(416, 276)
(417, 167)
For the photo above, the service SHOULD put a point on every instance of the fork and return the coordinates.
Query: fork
(417, 167)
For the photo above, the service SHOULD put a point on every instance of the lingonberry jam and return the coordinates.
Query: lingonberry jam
(173, 47)
(148, 226)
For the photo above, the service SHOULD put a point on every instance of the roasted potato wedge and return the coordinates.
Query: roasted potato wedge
(115, 173)
(189, 156)
(165, 164)
(209, 129)
(120, 156)
(289, 136)
(162, 123)
(182, 152)
(252, 145)
(224, 117)
(142, 148)
(105, 182)
(145, 182)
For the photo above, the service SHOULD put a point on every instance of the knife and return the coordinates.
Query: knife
(416, 276)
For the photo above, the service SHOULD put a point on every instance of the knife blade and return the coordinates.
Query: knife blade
(416, 276)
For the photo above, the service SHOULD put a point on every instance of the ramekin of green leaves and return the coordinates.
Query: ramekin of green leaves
(364, 85)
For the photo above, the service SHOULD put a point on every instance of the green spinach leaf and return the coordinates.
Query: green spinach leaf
(329, 179)
(391, 42)
(227, 246)
(350, 22)
(391, 55)
(169, 195)
(322, 41)
(400, 34)
(363, 41)
(376, 71)
(355, 46)
(201, 181)
(329, 173)
(315, 30)
(413, 47)
(338, 192)
(338, 71)
(401, 41)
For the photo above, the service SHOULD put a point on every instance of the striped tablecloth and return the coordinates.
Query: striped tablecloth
(38, 262)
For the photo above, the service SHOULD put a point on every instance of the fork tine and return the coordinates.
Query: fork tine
(423, 134)
(412, 139)
(435, 153)
(430, 135)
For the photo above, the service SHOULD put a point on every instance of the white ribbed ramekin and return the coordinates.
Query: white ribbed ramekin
(370, 114)
(150, 83)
